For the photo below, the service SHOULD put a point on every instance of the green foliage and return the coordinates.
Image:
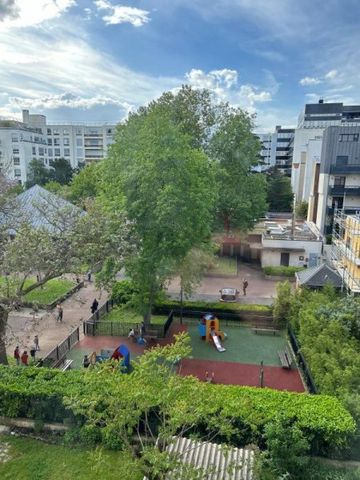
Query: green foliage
(280, 195)
(37, 173)
(282, 271)
(50, 292)
(215, 307)
(287, 446)
(301, 210)
(122, 292)
(61, 171)
(282, 304)
(85, 184)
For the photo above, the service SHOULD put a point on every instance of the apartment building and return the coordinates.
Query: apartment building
(345, 252)
(308, 141)
(336, 183)
(276, 150)
(34, 137)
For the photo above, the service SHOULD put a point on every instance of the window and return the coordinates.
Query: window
(41, 151)
(50, 152)
(79, 152)
(339, 181)
(57, 152)
(49, 131)
(16, 160)
(17, 172)
(66, 131)
(66, 152)
(56, 131)
(33, 150)
(342, 160)
(56, 141)
(108, 131)
(348, 137)
(66, 141)
(79, 142)
(14, 138)
(79, 131)
(15, 151)
(49, 141)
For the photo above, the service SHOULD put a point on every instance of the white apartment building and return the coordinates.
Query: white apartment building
(34, 137)
(276, 150)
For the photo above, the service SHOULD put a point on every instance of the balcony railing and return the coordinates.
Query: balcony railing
(345, 169)
(339, 190)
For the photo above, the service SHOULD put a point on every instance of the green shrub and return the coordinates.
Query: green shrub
(282, 271)
(211, 306)
(123, 291)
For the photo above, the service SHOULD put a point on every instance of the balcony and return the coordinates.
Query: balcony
(345, 169)
(340, 191)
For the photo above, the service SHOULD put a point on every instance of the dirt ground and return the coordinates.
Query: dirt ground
(260, 290)
(24, 325)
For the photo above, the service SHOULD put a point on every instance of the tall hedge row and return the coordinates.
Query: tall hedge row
(39, 394)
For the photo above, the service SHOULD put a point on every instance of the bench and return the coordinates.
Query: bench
(265, 330)
(66, 365)
(285, 358)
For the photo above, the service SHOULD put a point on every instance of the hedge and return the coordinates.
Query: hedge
(39, 393)
(282, 271)
(212, 306)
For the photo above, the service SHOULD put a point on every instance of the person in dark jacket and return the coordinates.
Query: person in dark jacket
(94, 306)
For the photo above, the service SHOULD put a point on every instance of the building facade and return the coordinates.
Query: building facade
(336, 180)
(345, 251)
(276, 150)
(34, 138)
(308, 142)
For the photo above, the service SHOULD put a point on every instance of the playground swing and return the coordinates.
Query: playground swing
(209, 330)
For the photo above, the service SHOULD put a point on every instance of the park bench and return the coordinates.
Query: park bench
(285, 358)
(66, 365)
(265, 330)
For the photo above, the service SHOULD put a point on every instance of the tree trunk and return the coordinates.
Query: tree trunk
(181, 304)
(3, 323)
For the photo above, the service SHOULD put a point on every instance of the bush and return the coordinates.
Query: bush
(282, 271)
(123, 291)
(168, 305)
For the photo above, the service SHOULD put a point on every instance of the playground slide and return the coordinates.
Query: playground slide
(217, 342)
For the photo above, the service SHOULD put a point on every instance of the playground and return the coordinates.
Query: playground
(238, 364)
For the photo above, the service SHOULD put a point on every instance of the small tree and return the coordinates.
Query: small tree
(37, 173)
(282, 304)
(280, 196)
(302, 210)
(62, 171)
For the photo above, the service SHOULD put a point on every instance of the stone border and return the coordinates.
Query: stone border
(279, 278)
(29, 424)
(52, 305)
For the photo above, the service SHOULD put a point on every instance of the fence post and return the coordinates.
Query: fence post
(57, 352)
(111, 327)
(68, 342)
(78, 333)
(107, 306)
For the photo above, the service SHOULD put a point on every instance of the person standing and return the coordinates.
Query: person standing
(33, 352)
(142, 329)
(36, 343)
(245, 285)
(94, 306)
(89, 276)
(17, 355)
(24, 359)
(60, 313)
(86, 361)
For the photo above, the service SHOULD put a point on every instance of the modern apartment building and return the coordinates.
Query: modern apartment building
(34, 137)
(307, 144)
(276, 149)
(345, 252)
(336, 182)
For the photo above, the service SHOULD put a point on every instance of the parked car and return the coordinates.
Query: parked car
(229, 294)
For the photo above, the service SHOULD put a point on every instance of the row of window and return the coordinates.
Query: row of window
(79, 131)
(348, 137)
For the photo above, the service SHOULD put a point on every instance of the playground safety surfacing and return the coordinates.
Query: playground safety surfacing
(238, 365)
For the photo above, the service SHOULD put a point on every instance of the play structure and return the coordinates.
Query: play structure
(209, 330)
(121, 353)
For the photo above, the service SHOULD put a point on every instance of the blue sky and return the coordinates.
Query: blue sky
(91, 60)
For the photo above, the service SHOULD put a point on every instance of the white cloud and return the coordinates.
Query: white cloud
(331, 75)
(122, 14)
(31, 13)
(8, 9)
(306, 81)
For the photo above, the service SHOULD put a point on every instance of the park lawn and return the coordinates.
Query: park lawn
(224, 266)
(35, 460)
(126, 315)
(51, 291)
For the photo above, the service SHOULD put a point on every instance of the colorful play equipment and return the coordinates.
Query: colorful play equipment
(209, 330)
(122, 353)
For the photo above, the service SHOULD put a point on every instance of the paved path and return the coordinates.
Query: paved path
(23, 325)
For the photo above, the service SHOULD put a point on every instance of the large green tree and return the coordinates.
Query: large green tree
(280, 195)
(37, 173)
(61, 171)
(166, 187)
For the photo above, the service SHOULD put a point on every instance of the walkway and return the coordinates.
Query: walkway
(23, 325)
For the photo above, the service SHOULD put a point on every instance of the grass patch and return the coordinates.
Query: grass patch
(34, 460)
(224, 266)
(126, 315)
(216, 306)
(51, 291)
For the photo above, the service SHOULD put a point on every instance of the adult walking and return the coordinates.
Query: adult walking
(245, 285)
(36, 343)
(60, 313)
(24, 359)
(94, 306)
(17, 355)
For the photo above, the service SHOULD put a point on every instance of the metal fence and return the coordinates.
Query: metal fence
(59, 352)
(301, 361)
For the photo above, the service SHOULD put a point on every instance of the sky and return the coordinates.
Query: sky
(96, 60)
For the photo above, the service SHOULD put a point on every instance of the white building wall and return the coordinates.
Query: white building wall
(272, 249)
(322, 201)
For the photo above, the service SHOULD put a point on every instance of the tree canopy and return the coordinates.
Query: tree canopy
(280, 195)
